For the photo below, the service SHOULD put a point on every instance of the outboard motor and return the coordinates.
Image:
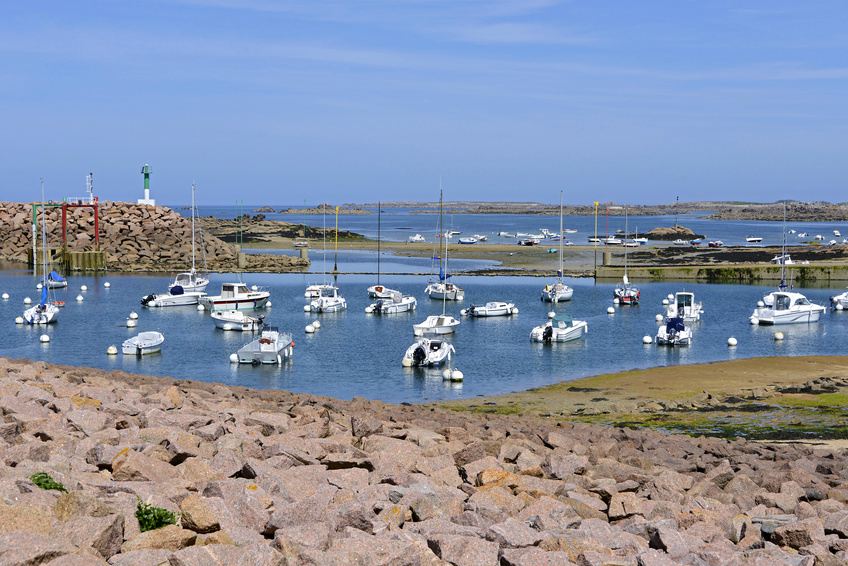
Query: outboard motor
(548, 334)
(418, 356)
(147, 299)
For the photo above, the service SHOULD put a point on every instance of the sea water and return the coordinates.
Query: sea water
(354, 354)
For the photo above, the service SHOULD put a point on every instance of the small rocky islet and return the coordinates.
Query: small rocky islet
(241, 476)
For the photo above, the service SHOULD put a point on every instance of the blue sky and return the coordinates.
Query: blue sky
(283, 102)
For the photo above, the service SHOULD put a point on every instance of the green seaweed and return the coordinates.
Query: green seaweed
(45, 481)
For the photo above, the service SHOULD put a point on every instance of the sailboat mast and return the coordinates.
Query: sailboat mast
(379, 215)
(193, 187)
(43, 236)
(625, 242)
(561, 237)
(441, 228)
(783, 250)
(336, 256)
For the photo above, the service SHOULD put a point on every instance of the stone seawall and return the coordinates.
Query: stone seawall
(134, 237)
(273, 478)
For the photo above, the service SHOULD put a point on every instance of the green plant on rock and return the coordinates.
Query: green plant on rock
(45, 481)
(151, 517)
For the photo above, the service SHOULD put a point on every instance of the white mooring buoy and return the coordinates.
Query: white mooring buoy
(112, 350)
(5, 296)
(39, 286)
(610, 310)
(456, 375)
(27, 301)
(306, 308)
(778, 336)
(665, 302)
(233, 358)
(107, 284)
(268, 304)
(201, 308)
(133, 315)
(83, 287)
(317, 324)
(132, 323)
(659, 318)
(615, 301)
(79, 298)
(670, 297)
(44, 338)
(551, 314)
(19, 320)
(309, 329)
(647, 340)
(732, 342)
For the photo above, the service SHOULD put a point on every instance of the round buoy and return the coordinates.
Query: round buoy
(647, 339)
(27, 301)
(5, 296)
(306, 308)
(254, 288)
(760, 304)
(107, 284)
(665, 302)
(446, 373)
(456, 375)
(268, 304)
(79, 298)
(44, 339)
(839, 306)
(112, 350)
(551, 314)
(406, 362)
(233, 358)
(369, 309)
(670, 297)
(19, 320)
(778, 336)
(131, 323)
(39, 286)
(201, 307)
(615, 301)
(659, 318)
(610, 310)
(84, 288)
(133, 315)
(310, 329)
(732, 342)
(317, 324)
(514, 310)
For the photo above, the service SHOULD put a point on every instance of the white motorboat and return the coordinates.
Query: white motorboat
(594, 241)
(481, 237)
(143, 343)
(314, 291)
(559, 291)
(783, 259)
(506, 234)
(468, 241)
(176, 297)
(192, 281)
(818, 237)
(802, 234)
(641, 241)
(46, 310)
(840, 300)
(492, 308)
(787, 307)
(56, 281)
(380, 292)
(685, 307)
(236, 296)
(272, 347)
(452, 233)
(436, 324)
(679, 242)
(612, 241)
(570, 231)
(631, 244)
(674, 333)
(753, 239)
(793, 231)
(715, 244)
(427, 352)
(330, 300)
(237, 321)
(396, 303)
(529, 242)
(837, 233)
(561, 329)
(417, 238)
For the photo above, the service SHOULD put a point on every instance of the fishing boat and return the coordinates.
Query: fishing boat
(427, 352)
(175, 297)
(561, 328)
(417, 238)
(435, 325)
(442, 289)
(330, 300)
(468, 241)
(492, 308)
(272, 347)
(787, 307)
(674, 333)
(394, 304)
(558, 291)
(753, 239)
(45, 311)
(143, 343)
(192, 280)
(236, 296)
(56, 281)
(626, 293)
(237, 321)
(684, 306)
(379, 291)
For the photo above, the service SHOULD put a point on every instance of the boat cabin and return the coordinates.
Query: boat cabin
(684, 300)
(785, 301)
(232, 290)
(329, 292)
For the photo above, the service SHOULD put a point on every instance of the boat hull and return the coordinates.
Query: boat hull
(575, 332)
(238, 304)
(768, 319)
(184, 300)
(36, 316)
(557, 295)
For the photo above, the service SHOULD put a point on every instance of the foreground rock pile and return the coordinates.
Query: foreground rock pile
(271, 478)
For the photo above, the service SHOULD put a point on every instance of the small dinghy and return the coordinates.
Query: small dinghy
(674, 333)
(492, 308)
(56, 281)
(685, 307)
(380, 292)
(427, 352)
(237, 320)
(176, 297)
(396, 303)
(143, 343)
(436, 324)
(561, 329)
(272, 347)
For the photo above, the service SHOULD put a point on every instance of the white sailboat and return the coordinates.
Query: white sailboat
(191, 281)
(379, 291)
(442, 289)
(626, 293)
(558, 291)
(314, 291)
(330, 298)
(45, 311)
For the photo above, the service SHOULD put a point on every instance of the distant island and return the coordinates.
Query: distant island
(323, 208)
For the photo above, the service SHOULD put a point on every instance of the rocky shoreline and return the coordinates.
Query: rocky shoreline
(273, 478)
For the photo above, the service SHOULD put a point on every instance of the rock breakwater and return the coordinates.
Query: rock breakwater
(273, 478)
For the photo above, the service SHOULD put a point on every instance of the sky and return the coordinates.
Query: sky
(294, 102)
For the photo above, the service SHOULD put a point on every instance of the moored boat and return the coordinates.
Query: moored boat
(674, 333)
(427, 352)
(236, 296)
(787, 307)
(272, 347)
(436, 325)
(394, 304)
(330, 300)
(561, 329)
(492, 308)
(175, 297)
(143, 343)
(237, 321)
(684, 306)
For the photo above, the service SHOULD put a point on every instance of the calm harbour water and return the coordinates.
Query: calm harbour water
(357, 354)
